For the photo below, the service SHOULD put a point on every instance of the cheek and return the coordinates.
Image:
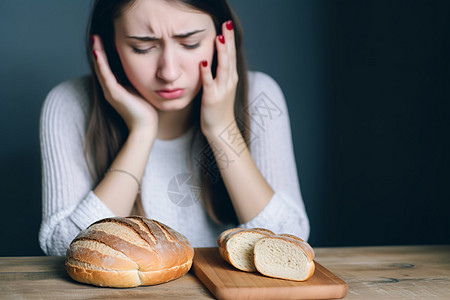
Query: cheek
(206, 53)
(133, 69)
(133, 66)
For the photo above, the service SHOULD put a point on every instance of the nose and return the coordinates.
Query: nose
(168, 66)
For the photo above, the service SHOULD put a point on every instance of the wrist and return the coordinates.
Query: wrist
(216, 130)
(228, 136)
(142, 134)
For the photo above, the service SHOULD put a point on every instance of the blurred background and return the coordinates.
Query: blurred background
(367, 84)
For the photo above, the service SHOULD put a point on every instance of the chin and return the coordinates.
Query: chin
(173, 105)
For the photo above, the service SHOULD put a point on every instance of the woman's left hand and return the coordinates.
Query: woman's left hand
(217, 110)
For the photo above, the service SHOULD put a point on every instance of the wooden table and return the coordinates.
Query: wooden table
(404, 272)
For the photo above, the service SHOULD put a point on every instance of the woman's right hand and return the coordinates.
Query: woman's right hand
(138, 114)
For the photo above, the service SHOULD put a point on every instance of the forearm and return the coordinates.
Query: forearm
(248, 190)
(118, 190)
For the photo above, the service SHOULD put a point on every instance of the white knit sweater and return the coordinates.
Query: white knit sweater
(170, 193)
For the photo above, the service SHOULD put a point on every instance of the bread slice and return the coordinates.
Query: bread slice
(284, 256)
(236, 246)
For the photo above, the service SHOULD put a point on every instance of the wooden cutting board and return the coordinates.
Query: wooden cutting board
(226, 282)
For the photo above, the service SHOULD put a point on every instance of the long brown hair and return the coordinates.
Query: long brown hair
(107, 131)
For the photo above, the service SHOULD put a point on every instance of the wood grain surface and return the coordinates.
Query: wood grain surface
(388, 272)
(226, 282)
(46, 278)
(392, 272)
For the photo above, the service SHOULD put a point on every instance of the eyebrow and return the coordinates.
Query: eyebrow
(152, 38)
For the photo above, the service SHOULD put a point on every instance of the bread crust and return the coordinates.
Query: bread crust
(227, 235)
(125, 279)
(149, 253)
(304, 245)
(222, 240)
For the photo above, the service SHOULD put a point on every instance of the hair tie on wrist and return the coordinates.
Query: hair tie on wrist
(128, 173)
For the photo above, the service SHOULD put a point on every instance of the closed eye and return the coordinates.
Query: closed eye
(142, 51)
(193, 46)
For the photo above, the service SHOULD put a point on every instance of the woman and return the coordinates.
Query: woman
(165, 129)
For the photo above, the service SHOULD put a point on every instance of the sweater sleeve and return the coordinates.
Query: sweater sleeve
(272, 150)
(68, 203)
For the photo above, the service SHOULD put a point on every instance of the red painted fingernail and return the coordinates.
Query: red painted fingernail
(204, 63)
(221, 39)
(95, 54)
(92, 40)
(229, 25)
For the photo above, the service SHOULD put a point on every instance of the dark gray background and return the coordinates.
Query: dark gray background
(367, 86)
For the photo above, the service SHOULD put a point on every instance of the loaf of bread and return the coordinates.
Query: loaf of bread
(128, 252)
(236, 246)
(284, 256)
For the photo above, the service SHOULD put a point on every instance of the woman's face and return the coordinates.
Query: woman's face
(161, 45)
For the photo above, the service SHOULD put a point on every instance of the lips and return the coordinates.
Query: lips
(170, 94)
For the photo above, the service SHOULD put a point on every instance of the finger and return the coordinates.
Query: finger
(228, 33)
(206, 75)
(223, 68)
(104, 74)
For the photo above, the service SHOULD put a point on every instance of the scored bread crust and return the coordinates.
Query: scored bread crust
(147, 252)
(223, 241)
(296, 241)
